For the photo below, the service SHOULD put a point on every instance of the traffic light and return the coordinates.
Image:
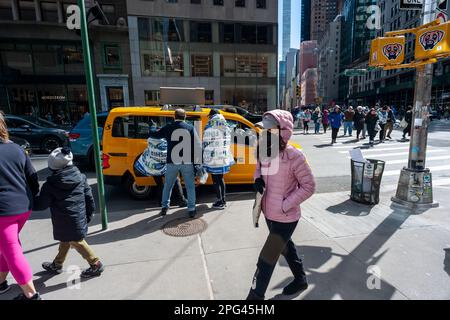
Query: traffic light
(387, 51)
(433, 42)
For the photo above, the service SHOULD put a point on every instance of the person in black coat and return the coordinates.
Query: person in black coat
(358, 120)
(372, 122)
(69, 197)
(408, 119)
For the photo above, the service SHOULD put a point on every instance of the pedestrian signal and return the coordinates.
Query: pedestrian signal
(387, 51)
(433, 42)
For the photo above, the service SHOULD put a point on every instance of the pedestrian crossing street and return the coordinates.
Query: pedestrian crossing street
(395, 154)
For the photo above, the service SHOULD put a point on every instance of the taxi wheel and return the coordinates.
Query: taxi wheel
(138, 192)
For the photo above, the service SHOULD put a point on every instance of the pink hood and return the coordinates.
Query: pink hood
(286, 122)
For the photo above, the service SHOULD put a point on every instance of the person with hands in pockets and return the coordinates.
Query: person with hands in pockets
(69, 197)
(285, 179)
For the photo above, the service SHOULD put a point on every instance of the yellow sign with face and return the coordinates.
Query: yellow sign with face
(433, 42)
(387, 51)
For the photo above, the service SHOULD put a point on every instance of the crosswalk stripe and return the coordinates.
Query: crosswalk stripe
(398, 153)
(381, 149)
(391, 173)
(365, 143)
(428, 159)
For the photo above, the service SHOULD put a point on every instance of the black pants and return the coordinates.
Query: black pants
(372, 134)
(278, 243)
(177, 194)
(219, 186)
(407, 130)
(334, 133)
(305, 126)
(382, 132)
(325, 127)
(358, 132)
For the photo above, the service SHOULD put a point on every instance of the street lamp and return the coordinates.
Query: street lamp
(98, 13)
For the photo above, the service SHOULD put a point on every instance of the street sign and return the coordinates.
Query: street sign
(433, 42)
(354, 72)
(387, 51)
(411, 4)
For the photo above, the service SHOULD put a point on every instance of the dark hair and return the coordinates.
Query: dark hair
(180, 114)
(213, 112)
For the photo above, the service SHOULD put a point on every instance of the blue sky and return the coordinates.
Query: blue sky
(295, 24)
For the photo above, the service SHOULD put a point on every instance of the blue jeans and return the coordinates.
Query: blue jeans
(348, 126)
(187, 171)
(317, 127)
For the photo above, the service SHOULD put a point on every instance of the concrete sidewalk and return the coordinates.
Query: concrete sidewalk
(341, 241)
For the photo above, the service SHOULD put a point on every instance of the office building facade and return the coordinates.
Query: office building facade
(227, 47)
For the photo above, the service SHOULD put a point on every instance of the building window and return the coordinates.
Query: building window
(49, 12)
(218, 2)
(6, 10)
(27, 12)
(151, 97)
(201, 65)
(201, 32)
(111, 56)
(110, 13)
(209, 97)
(239, 3)
(227, 33)
(261, 4)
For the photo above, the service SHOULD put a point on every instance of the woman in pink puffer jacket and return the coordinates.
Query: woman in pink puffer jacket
(286, 180)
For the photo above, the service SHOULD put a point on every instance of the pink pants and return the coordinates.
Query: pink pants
(11, 253)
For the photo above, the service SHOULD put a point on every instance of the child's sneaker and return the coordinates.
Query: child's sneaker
(4, 287)
(93, 271)
(21, 296)
(52, 267)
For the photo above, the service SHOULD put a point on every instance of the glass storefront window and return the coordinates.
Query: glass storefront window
(16, 63)
(73, 60)
(47, 59)
(227, 66)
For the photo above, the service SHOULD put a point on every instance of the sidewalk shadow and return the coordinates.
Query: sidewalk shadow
(44, 276)
(351, 208)
(326, 145)
(447, 261)
(350, 278)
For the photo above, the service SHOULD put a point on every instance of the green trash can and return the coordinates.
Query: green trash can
(366, 181)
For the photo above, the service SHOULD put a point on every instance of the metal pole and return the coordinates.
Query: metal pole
(415, 184)
(93, 112)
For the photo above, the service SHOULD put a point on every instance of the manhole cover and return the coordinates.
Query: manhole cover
(184, 227)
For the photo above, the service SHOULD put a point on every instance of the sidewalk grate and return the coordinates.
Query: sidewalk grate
(184, 227)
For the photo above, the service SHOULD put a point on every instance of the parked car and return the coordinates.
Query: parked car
(40, 135)
(253, 118)
(80, 139)
(125, 139)
(23, 143)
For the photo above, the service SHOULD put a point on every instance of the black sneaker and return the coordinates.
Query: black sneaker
(4, 286)
(296, 286)
(192, 214)
(93, 271)
(52, 267)
(22, 297)
(163, 212)
(220, 205)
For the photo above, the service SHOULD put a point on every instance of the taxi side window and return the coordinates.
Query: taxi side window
(241, 133)
(137, 127)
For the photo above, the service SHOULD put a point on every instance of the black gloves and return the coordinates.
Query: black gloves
(259, 185)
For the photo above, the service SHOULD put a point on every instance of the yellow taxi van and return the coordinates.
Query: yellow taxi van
(125, 138)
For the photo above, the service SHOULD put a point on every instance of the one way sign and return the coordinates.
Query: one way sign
(411, 4)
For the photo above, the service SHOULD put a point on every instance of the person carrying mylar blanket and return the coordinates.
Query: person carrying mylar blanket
(217, 156)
